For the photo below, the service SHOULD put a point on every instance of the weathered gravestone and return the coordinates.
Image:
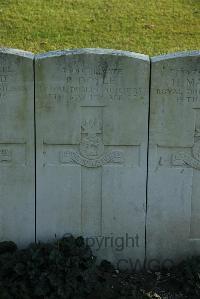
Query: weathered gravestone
(173, 226)
(17, 166)
(92, 124)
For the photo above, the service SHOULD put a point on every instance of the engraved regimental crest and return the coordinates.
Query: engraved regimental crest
(92, 146)
(92, 152)
(192, 160)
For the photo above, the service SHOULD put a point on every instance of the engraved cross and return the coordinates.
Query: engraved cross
(91, 155)
(192, 160)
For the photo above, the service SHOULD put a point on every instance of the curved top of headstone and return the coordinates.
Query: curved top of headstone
(175, 55)
(17, 52)
(97, 51)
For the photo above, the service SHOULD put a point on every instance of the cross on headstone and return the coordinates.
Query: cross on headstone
(92, 154)
(188, 157)
(193, 160)
(91, 146)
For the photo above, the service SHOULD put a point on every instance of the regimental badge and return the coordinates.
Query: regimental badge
(92, 146)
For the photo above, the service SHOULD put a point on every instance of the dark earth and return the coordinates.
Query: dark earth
(67, 268)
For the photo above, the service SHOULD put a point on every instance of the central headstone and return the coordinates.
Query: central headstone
(92, 129)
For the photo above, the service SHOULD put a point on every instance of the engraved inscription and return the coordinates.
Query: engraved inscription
(76, 94)
(7, 74)
(81, 82)
(183, 84)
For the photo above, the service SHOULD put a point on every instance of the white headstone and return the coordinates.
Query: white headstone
(92, 127)
(173, 222)
(17, 166)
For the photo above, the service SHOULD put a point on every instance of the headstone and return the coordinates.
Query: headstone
(92, 128)
(17, 165)
(173, 221)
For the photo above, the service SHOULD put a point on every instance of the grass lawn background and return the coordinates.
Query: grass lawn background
(147, 26)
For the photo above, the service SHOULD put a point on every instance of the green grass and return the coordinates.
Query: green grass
(146, 26)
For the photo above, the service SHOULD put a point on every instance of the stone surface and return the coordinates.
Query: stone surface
(17, 166)
(92, 128)
(173, 218)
